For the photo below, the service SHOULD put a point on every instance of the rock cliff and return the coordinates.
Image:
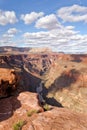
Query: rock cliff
(61, 80)
(17, 109)
(64, 77)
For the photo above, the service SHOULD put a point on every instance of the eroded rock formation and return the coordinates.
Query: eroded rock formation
(64, 85)
(64, 76)
(9, 81)
(16, 108)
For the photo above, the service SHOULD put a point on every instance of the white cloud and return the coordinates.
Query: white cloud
(57, 36)
(8, 38)
(31, 17)
(7, 17)
(48, 22)
(12, 31)
(73, 13)
(64, 39)
(35, 35)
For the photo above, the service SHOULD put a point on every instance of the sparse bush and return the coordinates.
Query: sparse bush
(46, 107)
(31, 112)
(19, 125)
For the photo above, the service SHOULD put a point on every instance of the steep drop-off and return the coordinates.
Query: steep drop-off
(58, 79)
(64, 77)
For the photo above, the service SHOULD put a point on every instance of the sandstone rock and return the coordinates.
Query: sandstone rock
(8, 81)
(67, 82)
(40, 50)
(28, 101)
(15, 108)
(64, 76)
(5, 109)
(57, 119)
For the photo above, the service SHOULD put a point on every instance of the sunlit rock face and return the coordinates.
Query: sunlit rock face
(16, 108)
(8, 81)
(58, 119)
(23, 72)
(64, 77)
(67, 82)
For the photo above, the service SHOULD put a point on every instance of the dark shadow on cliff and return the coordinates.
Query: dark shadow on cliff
(33, 83)
(8, 106)
(64, 80)
(9, 103)
(78, 57)
(30, 82)
(51, 101)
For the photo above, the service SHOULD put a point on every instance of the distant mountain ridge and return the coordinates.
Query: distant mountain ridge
(13, 50)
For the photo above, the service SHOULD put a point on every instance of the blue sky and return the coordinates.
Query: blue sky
(58, 24)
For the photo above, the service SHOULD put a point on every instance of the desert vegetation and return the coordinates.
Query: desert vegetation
(19, 125)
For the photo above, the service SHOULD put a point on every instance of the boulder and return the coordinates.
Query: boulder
(8, 81)
(19, 104)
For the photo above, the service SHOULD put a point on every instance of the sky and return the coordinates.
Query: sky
(58, 24)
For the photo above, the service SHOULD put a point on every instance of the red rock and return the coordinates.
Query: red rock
(18, 105)
(5, 109)
(54, 119)
(8, 81)
(57, 119)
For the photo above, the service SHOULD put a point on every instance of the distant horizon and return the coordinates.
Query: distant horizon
(60, 25)
(44, 48)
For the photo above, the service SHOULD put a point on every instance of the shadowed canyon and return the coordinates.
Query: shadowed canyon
(32, 78)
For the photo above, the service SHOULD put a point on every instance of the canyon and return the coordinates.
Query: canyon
(62, 79)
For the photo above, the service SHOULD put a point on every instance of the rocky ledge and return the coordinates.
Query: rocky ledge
(25, 108)
(9, 81)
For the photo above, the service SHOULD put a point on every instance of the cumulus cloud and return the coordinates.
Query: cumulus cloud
(48, 22)
(8, 38)
(55, 35)
(65, 40)
(75, 13)
(7, 17)
(31, 17)
(12, 31)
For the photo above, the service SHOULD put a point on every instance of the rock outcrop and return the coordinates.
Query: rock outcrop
(28, 71)
(15, 109)
(64, 77)
(67, 82)
(9, 81)
(57, 119)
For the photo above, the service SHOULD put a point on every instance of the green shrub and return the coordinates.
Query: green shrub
(31, 112)
(19, 125)
(46, 107)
